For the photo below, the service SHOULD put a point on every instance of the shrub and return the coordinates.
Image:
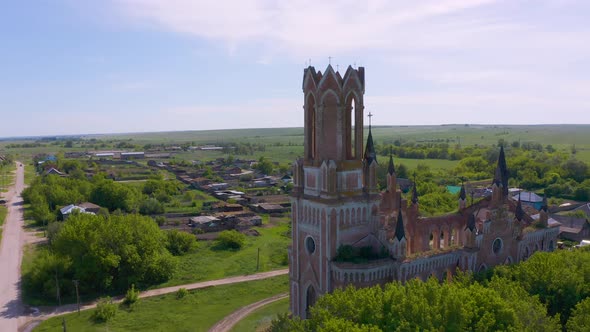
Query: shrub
(231, 239)
(132, 296)
(179, 243)
(105, 310)
(181, 292)
(151, 206)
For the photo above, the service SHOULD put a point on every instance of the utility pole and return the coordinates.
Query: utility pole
(63, 323)
(77, 295)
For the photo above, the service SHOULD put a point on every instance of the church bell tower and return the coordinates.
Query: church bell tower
(335, 199)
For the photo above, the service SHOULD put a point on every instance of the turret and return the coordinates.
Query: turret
(399, 238)
(500, 182)
(519, 212)
(391, 176)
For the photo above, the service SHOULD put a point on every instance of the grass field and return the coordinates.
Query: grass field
(6, 177)
(261, 318)
(197, 311)
(208, 262)
(562, 137)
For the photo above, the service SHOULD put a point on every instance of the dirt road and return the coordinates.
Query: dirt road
(226, 324)
(10, 257)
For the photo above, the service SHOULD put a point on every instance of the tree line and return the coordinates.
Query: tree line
(549, 292)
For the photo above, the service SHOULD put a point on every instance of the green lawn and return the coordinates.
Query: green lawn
(261, 318)
(197, 311)
(208, 262)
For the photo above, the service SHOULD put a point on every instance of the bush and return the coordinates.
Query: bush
(179, 243)
(181, 292)
(151, 206)
(105, 310)
(132, 296)
(231, 239)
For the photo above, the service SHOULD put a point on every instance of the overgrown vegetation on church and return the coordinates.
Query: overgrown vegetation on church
(548, 292)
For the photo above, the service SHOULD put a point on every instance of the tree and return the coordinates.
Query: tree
(110, 253)
(580, 318)
(264, 166)
(179, 243)
(231, 239)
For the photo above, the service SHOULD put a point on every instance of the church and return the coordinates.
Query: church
(339, 213)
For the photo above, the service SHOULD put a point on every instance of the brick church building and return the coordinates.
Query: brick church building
(337, 208)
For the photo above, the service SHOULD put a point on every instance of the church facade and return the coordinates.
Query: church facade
(338, 211)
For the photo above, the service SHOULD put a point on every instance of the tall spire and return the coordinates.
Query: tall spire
(391, 167)
(370, 153)
(501, 174)
(400, 232)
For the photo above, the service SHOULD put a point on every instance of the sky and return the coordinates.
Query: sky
(113, 66)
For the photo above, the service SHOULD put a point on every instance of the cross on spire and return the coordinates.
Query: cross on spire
(329, 60)
(370, 115)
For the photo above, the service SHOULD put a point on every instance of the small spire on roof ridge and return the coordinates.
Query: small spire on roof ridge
(400, 232)
(391, 167)
(471, 222)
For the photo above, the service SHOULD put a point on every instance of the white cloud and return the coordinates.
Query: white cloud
(508, 59)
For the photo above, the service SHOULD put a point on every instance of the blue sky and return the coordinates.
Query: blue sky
(75, 67)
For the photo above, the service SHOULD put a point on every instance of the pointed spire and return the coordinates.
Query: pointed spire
(519, 212)
(545, 206)
(471, 222)
(370, 153)
(463, 194)
(415, 192)
(391, 167)
(400, 232)
(501, 174)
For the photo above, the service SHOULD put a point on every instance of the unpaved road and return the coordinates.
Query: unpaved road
(13, 237)
(226, 324)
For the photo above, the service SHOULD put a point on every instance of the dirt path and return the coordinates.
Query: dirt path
(226, 324)
(48, 312)
(13, 237)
